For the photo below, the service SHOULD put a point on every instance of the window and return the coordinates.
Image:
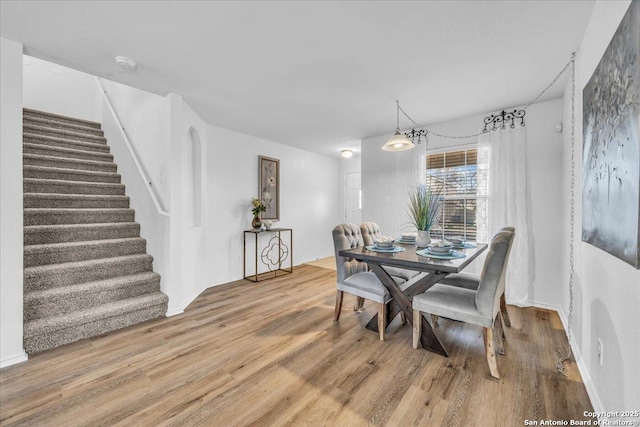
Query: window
(455, 174)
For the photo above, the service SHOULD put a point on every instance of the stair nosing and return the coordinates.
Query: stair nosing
(62, 140)
(67, 160)
(32, 295)
(75, 196)
(67, 150)
(97, 261)
(31, 249)
(35, 228)
(45, 113)
(60, 123)
(67, 182)
(63, 132)
(68, 170)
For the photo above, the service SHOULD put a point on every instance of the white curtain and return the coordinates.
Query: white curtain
(502, 201)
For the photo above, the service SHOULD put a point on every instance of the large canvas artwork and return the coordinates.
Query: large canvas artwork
(269, 187)
(611, 150)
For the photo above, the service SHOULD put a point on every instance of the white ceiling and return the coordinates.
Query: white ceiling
(314, 74)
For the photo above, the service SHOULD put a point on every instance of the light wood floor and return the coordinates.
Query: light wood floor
(270, 354)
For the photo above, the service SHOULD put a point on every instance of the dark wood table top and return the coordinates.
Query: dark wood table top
(411, 260)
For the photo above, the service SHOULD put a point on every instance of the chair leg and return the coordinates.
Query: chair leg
(434, 320)
(382, 319)
(359, 303)
(505, 313)
(500, 331)
(491, 352)
(403, 318)
(338, 308)
(417, 328)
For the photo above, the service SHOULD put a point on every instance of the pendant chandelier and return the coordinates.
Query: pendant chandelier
(398, 142)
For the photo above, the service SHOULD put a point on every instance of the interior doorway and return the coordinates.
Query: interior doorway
(352, 198)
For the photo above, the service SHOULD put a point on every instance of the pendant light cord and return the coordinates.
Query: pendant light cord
(572, 215)
(529, 104)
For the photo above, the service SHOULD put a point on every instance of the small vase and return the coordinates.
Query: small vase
(256, 223)
(423, 239)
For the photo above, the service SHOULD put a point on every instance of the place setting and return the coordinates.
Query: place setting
(444, 249)
(385, 244)
(408, 238)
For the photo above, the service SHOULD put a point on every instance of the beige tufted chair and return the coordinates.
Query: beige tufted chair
(354, 277)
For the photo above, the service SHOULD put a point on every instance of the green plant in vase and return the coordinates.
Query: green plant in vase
(425, 205)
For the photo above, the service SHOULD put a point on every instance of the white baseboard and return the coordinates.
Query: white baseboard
(582, 367)
(12, 360)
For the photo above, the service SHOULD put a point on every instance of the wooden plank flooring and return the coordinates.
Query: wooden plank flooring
(270, 354)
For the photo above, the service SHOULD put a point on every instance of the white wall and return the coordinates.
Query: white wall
(11, 232)
(607, 290)
(383, 173)
(309, 200)
(351, 165)
(56, 89)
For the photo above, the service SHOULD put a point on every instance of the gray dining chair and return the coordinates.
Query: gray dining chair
(354, 277)
(479, 307)
(471, 281)
(370, 232)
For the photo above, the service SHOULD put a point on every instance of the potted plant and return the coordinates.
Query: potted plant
(425, 205)
(256, 210)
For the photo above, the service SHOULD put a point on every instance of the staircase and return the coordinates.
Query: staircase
(86, 267)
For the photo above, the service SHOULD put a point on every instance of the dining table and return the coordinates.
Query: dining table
(410, 257)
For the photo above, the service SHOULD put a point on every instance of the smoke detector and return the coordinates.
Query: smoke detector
(126, 63)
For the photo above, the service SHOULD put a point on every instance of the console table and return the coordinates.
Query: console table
(272, 256)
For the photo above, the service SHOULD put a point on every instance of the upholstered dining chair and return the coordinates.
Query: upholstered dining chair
(479, 307)
(370, 232)
(471, 281)
(354, 277)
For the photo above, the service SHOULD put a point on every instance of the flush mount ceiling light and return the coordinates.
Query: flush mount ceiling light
(347, 153)
(398, 142)
(126, 63)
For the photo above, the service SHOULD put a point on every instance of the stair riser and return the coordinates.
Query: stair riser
(62, 143)
(73, 188)
(57, 202)
(71, 175)
(106, 249)
(59, 162)
(72, 275)
(29, 121)
(46, 150)
(73, 136)
(55, 218)
(80, 234)
(68, 303)
(26, 113)
(38, 343)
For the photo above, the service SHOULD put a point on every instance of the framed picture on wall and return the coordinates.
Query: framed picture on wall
(269, 187)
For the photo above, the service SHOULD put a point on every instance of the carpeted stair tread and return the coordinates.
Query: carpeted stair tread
(61, 133)
(52, 253)
(76, 164)
(72, 201)
(41, 342)
(50, 150)
(47, 172)
(66, 299)
(55, 124)
(43, 234)
(33, 185)
(70, 273)
(37, 216)
(30, 112)
(30, 138)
